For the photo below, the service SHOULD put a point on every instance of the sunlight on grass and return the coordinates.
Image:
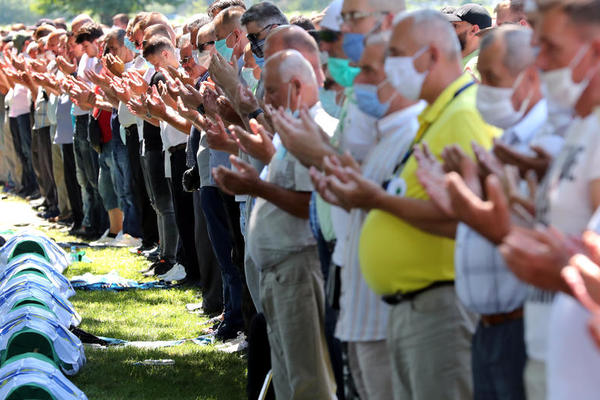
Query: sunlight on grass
(200, 372)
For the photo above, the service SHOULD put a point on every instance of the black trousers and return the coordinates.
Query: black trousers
(183, 204)
(41, 158)
(73, 188)
(210, 272)
(144, 208)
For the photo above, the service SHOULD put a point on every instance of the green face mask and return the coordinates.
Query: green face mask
(341, 71)
(221, 46)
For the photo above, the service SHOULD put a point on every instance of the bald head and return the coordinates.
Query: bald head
(430, 28)
(290, 80)
(79, 21)
(294, 37)
(511, 44)
(288, 64)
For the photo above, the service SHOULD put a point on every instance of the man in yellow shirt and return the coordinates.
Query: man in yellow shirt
(404, 251)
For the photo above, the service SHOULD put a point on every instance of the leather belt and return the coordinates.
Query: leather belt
(181, 146)
(497, 319)
(401, 297)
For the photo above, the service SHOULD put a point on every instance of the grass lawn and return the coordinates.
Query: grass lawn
(199, 372)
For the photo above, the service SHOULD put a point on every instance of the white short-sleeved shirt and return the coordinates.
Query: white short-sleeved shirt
(573, 360)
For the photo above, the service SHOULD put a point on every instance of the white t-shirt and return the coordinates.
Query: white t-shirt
(20, 102)
(573, 361)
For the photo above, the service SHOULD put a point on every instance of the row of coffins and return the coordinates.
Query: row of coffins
(37, 348)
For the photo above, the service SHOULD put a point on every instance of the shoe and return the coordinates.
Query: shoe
(104, 240)
(143, 247)
(126, 240)
(161, 267)
(74, 228)
(35, 195)
(227, 332)
(50, 214)
(177, 273)
(153, 255)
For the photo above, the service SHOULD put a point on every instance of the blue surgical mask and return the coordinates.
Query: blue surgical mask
(130, 45)
(248, 75)
(329, 103)
(223, 49)
(353, 45)
(368, 100)
(260, 61)
(341, 71)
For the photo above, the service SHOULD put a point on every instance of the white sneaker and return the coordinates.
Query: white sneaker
(104, 240)
(176, 273)
(126, 240)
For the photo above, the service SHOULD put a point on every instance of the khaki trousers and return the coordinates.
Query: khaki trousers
(293, 301)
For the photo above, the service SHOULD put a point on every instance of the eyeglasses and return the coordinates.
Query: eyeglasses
(185, 60)
(253, 37)
(354, 15)
(201, 46)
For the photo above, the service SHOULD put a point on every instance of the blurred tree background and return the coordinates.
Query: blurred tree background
(29, 11)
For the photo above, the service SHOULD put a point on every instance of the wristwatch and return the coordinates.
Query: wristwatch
(255, 113)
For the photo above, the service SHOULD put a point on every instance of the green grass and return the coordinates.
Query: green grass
(110, 374)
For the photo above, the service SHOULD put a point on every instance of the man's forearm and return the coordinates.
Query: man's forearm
(422, 214)
(295, 203)
(177, 121)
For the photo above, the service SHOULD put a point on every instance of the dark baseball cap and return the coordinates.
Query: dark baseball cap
(474, 14)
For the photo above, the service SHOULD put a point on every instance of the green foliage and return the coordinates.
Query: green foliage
(16, 11)
(104, 9)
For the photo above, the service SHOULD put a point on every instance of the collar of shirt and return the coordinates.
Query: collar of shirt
(524, 131)
(396, 120)
(433, 111)
(471, 56)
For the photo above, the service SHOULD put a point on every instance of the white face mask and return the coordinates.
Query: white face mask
(496, 107)
(201, 59)
(559, 86)
(403, 76)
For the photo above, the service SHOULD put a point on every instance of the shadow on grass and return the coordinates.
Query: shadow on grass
(198, 373)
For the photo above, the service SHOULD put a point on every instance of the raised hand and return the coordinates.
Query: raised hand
(432, 176)
(257, 143)
(490, 218)
(539, 163)
(301, 137)
(218, 138)
(242, 181)
(537, 256)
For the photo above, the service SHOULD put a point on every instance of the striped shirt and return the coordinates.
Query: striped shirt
(363, 315)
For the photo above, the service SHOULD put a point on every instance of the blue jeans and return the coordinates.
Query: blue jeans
(105, 183)
(121, 178)
(221, 239)
(21, 133)
(498, 361)
(86, 160)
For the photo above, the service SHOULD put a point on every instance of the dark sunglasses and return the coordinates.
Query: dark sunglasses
(201, 46)
(253, 37)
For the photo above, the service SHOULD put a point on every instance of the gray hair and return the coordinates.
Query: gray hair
(197, 21)
(290, 64)
(519, 54)
(432, 27)
(184, 40)
(264, 14)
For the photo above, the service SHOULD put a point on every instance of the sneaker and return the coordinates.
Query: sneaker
(104, 240)
(176, 273)
(126, 240)
(149, 252)
(158, 267)
(50, 214)
(227, 332)
(142, 248)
